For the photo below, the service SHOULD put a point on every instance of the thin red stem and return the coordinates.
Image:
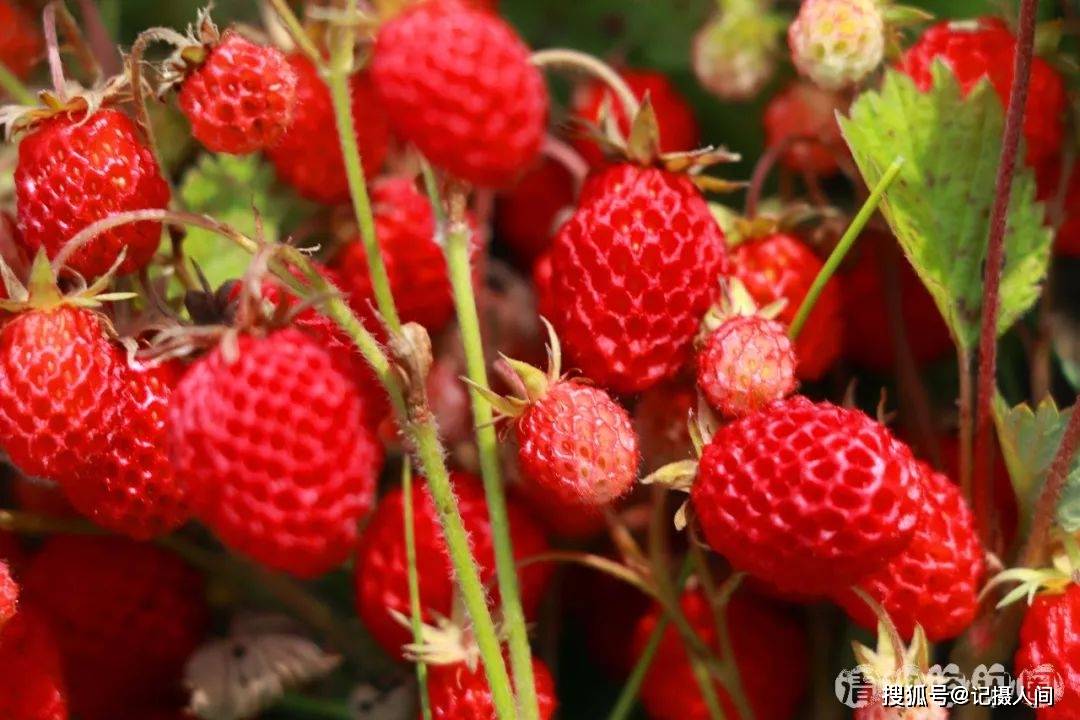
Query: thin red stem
(52, 42)
(1056, 475)
(995, 259)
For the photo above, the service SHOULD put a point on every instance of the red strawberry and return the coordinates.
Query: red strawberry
(780, 266)
(807, 497)
(985, 48)
(130, 487)
(458, 692)
(413, 253)
(675, 116)
(526, 213)
(126, 616)
(633, 272)
(31, 677)
(308, 155)
(560, 518)
(57, 398)
(935, 580)
(74, 171)
(9, 593)
(767, 644)
(381, 580)
(805, 110)
(270, 436)
(20, 39)
(541, 272)
(1048, 636)
(746, 363)
(868, 336)
(241, 98)
(458, 84)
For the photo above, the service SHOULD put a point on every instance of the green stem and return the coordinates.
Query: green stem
(309, 707)
(296, 31)
(846, 241)
(14, 87)
(415, 617)
(457, 258)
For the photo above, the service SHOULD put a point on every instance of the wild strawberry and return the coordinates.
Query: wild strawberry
(9, 593)
(57, 395)
(126, 616)
(868, 336)
(270, 436)
(413, 254)
(241, 98)
(746, 363)
(781, 267)
(381, 580)
(20, 39)
(935, 581)
(734, 54)
(74, 171)
(460, 692)
(526, 213)
(837, 43)
(1048, 638)
(432, 57)
(561, 519)
(31, 676)
(678, 126)
(986, 48)
(767, 643)
(308, 155)
(130, 487)
(808, 497)
(633, 271)
(804, 116)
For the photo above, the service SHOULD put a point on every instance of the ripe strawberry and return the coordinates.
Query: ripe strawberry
(241, 98)
(633, 271)
(9, 593)
(130, 487)
(767, 644)
(678, 126)
(808, 497)
(74, 171)
(526, 213)
(780, 266)
(986, 48)
(57, 398)
(935, 580)
(274, 448)
(413, 253)
(561, 519)
(1048, 637)
(800, 111)
(837, 43)
(381, 581)
(31, 677)
(745, 364)
(868, 336)
(460, 692)
(458, 84)
(308, 155)
(20, 39)
(126, 616)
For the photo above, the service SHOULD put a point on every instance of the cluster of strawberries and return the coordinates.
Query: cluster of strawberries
(251, 412)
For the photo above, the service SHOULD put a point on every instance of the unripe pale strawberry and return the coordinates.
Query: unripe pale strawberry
(734, 54)
(837, 43)
(746, 363)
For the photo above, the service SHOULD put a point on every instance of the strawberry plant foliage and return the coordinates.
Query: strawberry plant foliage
(1029, 438)
(939, 207)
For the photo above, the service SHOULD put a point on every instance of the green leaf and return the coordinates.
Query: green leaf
(939, 207)
(232, 189)
(1029, 439)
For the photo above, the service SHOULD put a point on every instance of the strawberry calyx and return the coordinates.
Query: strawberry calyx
(1064, 571)
(42, 291)
(192, 50)
(532, 381)
(735, 301)
(75, 101)
(890, 662)
(681, 474)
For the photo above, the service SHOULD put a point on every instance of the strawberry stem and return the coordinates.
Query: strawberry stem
(296, 31)
(841, 250)
(576, 60)
(995, 261)
(52, 43)
(1056, 475)
(457, 259)
(14, 87)
(416, 620)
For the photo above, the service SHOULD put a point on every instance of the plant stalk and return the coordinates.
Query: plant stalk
(576, 60)
(415, 617)
(1056, 475)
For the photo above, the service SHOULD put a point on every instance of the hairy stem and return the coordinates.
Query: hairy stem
(1046, 505)
(135, 67)
(966, 401)
(98, 35)
(296, 31)
(415, 617)
(995, 261)
(840, 251)
(14, 87)
(576, 60)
